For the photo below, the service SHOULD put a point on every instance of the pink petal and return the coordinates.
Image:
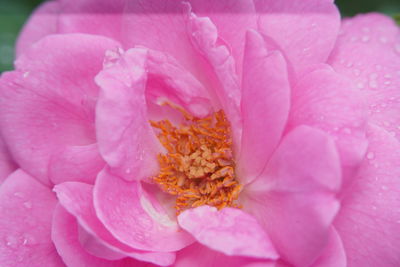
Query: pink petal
(368, 52)
(161, 25)
(77, 198)
(230, 231)
(334, 254)
(204, 36)
(265, 106)
(232, 18)
(135, 218)
(7, 165)
(326, 100)
(306, 31)
(97, 17)
(42, 22)
(65, 237)
(48, 102)
(369, 220)
(76, 163)
(26, 209)
(294, 198)
(197, 255)
(126, 140)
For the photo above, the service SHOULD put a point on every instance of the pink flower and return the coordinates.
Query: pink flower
(201, 133)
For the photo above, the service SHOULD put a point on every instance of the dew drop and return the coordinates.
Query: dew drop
(346, 131)
(370, 155)
(365, 39)
(384, 187)
(365, 29)
(28, 204)
(128, 171)
(360, 85)
(397, 48)
(19, 194)
(12, 241)
(26, 74)
(374, 207)
(383, 40)
(374, 75)
(373, 84)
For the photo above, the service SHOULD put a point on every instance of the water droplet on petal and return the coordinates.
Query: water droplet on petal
(346, 131)
(397, 48)
(365, 39)
(383, 40)
(19, 194)
(12, 241)
(128, 171)
(370, 155)
(28, 204)
(384, 187)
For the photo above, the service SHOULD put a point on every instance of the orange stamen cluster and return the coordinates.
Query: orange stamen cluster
(198, 167)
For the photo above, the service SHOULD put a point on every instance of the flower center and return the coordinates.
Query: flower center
(198, 167)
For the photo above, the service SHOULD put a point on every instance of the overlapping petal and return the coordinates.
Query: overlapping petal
(369, 219)
(134, 217)
(64, 234)
(26, 209)
(368, 52)
(327, 100)
(42, 22)
(7, 165)
(294, 198)
(48, 101)
(305, 31)
(264, 108)
(77, 198)
(230, 231)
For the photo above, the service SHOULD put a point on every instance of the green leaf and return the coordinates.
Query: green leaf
(397, 18)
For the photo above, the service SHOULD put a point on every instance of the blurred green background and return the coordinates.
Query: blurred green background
(13, 13)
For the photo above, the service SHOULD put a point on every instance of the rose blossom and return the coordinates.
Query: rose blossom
(201, 133)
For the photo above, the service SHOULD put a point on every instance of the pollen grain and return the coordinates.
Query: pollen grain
(198, 167)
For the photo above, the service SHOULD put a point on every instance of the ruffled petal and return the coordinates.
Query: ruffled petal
(368, 52)
(126, 140)
(230, 231)
(77, 198)
(226, 83)
(369, 219)
(334, 254)
(134, 217)
(41, 23)
(294, 198)
(197, 255)
(306, 31)
(65, 238)
(232, 18)
(161, 25)
(48, 102)
(26, 209)
(265, 106)
(327, 100)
